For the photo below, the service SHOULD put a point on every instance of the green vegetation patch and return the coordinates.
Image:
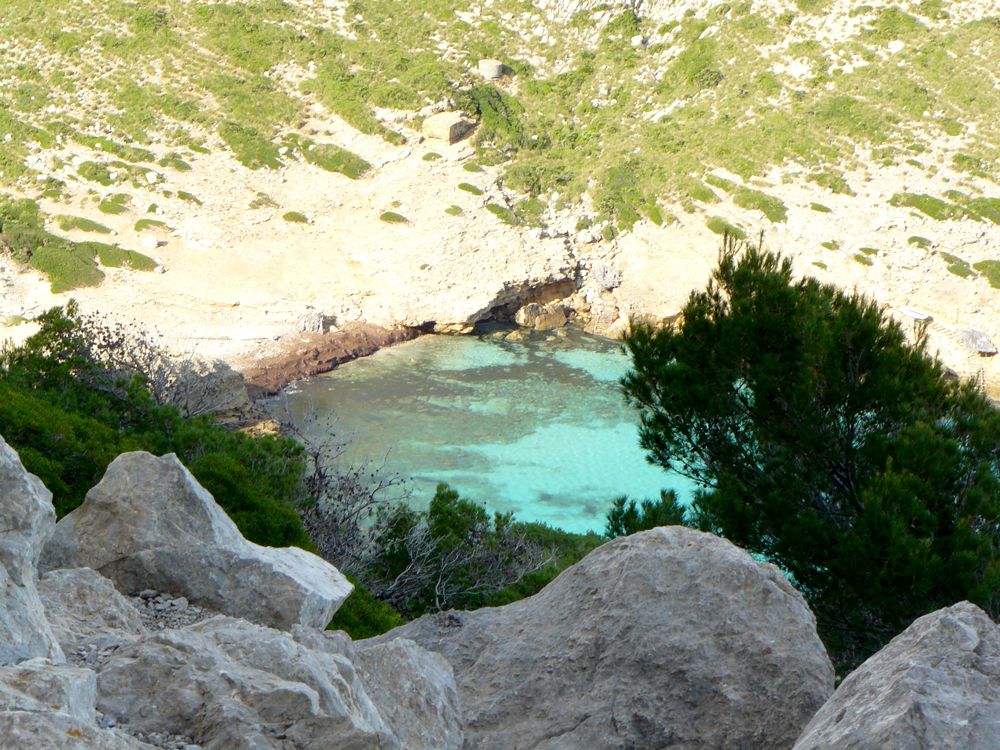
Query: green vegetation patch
(454, 211)
(99, 173)
(470, 166)
(503, 213)
(862, 259)
(991, 270)
(174, 161)
(922, 242)
(832, 181)
(432, 156)
(114, 204)
(189, 197)
(116, 257)
(820, 208)
(149, 225)
(469, 188)
(296, 217)
(69, 223)
(720, 226)
(770, 206)
(957, 266)
(393, 218)
(928, 205)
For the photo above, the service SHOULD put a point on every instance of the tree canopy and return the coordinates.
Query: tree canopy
(826, 442)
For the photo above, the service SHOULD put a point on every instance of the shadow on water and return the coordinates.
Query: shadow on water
(534, 425)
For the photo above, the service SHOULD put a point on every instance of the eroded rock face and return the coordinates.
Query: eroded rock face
(231, 684)
(935, 685)
(82, 605)
(43, 705)
(27, 519)
(149, 524)
(413, 689)
(668, 638)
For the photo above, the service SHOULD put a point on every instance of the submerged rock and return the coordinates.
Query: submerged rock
(936, 685)
(149, 524)
(668, 638)
(27, 519)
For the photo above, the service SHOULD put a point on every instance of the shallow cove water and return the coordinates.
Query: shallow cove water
(537, 425)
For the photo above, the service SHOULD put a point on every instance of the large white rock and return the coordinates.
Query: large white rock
(936, 685)
(149, 524)
(413, 689)
(39, 685)
(48, 706)
(82, 605)
(666, 639)
(58, 731)
(231, 684)
(26, 522)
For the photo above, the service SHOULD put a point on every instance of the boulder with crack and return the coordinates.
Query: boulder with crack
(667, 638)
(231, 684)
(26, 522)
(936, 685)
(149, 524)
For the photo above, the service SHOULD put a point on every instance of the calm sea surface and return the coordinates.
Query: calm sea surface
(537, 427)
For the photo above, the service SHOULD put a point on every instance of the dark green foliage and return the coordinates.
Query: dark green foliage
(500, 116)
(67, 428)
(828, 444)
(362, 615)
(627, 517)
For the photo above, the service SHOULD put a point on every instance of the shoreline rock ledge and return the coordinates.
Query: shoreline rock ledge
(669, 638)
(149, 524)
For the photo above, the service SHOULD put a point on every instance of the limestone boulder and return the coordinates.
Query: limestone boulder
(84, 606)
(935, 685)
(39, 685)
(148, 524)
(44, 705)
(450, 127)
(58, 731)
(667, 638)
(27, 519)
(413, 689)
(542, 317)
(227, 683)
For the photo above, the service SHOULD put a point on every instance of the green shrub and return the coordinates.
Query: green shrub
(95, 172)
(296, 217)
(770, 206)
(922, 242)
(144, 225)
(627, 517)
(364, 616)
(469, 188)
(393, 218)
(820, 208)
(189, 197)
(453, 211)
(69, 223)
(720, 226)
(957, 266)
(67, 430)
(991, 270)
(431, 156)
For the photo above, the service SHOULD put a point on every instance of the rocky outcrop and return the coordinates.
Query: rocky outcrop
(542, 317)
(83, 606)
(668, 638)
(43, 705)
(26, 522)
(149, 524)
(936, 685)
(413, 689)
(231, 684)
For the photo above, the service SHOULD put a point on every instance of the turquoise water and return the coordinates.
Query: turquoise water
(537, 427)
